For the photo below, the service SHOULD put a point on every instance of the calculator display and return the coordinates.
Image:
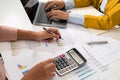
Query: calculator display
(75, 56)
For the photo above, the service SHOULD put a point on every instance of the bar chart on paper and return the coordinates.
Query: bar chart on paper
(85, 73)
(23, 68)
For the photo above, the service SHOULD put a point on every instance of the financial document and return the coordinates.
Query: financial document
(104, 53)
(90, 71)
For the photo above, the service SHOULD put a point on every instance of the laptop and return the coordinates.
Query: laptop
(37, 15)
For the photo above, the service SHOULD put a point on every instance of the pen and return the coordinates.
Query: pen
(97, 42)
(49, 31)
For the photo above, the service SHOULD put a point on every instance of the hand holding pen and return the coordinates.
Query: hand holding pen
(53, 32)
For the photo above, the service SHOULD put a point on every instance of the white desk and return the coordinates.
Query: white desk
(14, 15)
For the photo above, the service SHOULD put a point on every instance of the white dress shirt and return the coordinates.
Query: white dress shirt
(78, 18)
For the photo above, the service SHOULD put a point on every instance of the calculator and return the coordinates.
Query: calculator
(69, 61)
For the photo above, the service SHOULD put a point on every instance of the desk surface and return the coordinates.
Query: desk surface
(12, 14)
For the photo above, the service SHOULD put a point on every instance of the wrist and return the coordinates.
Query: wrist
(38, 36)
(25, 35)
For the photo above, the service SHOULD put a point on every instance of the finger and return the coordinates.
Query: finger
(47, 40)
(52, 60)
(54, 17)
(50, 14)
(55, 36)
(50, 5)
(52, 69)
(50, 40)
(58, 33)
(51, 75)
(54, 30)
(47, 4)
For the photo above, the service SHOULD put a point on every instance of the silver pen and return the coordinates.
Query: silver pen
(97, 42)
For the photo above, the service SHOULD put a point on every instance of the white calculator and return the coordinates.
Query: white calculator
(69, 61)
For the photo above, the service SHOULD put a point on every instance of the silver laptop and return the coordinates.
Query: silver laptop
(38, 15)
(41, 19)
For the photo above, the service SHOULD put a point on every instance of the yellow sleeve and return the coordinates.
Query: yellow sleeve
(107, 21)
(82, 3)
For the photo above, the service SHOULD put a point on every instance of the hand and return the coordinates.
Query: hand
(42, 71)
(54, 5)
(57, 14)
(2, 71)
(44, 35)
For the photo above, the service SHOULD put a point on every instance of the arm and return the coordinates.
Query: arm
(8, 33)
(76, 18)
(77, 3)
(107, 21)
(12, 34)
(83, 3)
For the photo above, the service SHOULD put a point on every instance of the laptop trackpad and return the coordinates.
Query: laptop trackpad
(59, 23)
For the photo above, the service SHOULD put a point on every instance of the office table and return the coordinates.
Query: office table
(13, 14)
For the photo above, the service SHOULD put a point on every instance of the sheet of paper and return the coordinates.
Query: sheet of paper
(17, 66)
(5, 49)
(86, 11)
(105, 53)
(90, 71)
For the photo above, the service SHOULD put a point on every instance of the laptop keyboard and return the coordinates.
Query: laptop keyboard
(41, 18)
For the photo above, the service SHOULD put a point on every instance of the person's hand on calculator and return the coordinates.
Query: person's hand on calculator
(42, 71)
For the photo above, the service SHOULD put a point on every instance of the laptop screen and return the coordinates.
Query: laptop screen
(30, 8)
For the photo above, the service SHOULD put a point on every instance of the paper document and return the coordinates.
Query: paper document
(105, 53)
(20, 66)
(86, 11)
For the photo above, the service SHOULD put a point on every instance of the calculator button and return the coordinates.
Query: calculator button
(64, 64)
(61, 66)
(58, 67)
(59, 63)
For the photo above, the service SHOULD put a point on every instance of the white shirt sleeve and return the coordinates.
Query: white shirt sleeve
(76, 18)
(73, 18)
(103, 5)
(69, 4)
